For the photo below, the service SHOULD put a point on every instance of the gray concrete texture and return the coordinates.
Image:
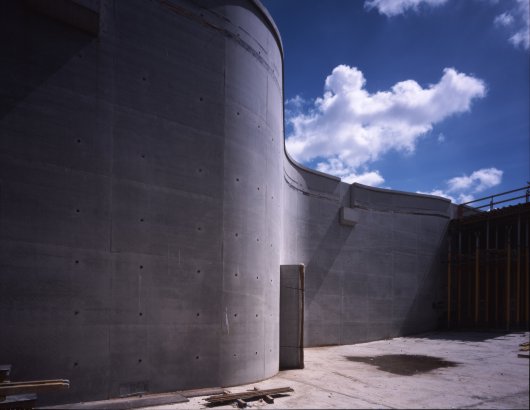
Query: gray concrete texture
(146, 204)
(436, 370)
(379, 277)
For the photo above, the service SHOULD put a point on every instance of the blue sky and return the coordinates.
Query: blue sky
(417, 95)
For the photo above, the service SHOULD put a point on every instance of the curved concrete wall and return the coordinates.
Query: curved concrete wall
(374, 276)
(146, 204)
(140, 179)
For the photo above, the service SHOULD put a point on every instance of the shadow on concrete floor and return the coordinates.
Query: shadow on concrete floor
(404, 364)
(464, 335)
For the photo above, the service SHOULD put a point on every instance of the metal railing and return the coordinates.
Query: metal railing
(492, 202)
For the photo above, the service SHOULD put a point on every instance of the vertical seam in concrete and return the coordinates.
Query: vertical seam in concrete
(265, 233)
(265, 241)
(222, 234)
(111, 194)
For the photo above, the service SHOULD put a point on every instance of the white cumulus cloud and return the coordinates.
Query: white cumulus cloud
(392, 8)
(478, 181)
(336, 167)
(517, 21)
(348, 128)
(463, 188)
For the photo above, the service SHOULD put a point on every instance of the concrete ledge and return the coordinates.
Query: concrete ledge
(348, 216)
(392, 200)
(301, 167)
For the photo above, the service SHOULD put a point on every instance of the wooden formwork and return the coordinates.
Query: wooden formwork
(488, 270)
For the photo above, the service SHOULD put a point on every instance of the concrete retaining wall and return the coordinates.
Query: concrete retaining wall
(140, 175)
(376, 275)
(146, 204)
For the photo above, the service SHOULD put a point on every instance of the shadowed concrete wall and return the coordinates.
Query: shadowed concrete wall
(140, 176)
(377, 274)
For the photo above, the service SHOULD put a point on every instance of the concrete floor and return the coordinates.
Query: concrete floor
(433, 370)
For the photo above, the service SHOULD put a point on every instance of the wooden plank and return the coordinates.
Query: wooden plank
(201, 392)
(247, 395)
(10, 388)
(268, 399)
(32, 382)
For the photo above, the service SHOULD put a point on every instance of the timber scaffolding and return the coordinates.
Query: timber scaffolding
(488, 264)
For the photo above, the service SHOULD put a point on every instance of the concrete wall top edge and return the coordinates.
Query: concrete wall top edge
(399, 201)
(309, 170)
(271, 22)
(277, 35)
(397, 192)
(303, 168)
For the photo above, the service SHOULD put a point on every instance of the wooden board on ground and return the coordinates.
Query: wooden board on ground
(246, 395)
(201, 392)
(35, 386)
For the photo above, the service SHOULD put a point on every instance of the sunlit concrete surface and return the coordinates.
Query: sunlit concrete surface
(432, 370)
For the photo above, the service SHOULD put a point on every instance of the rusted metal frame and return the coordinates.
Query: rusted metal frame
(490, 205)
(508, 273)
(469, 278)
(487, 303)
(501, 213)
(518, 273)
(496, 288)
(496, 195)
(527, 285)
(459, 291)
(477, 277)
(449, 283)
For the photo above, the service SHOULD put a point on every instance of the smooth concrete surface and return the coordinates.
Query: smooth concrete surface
(379, 277)
(482, 371)
(140, 184)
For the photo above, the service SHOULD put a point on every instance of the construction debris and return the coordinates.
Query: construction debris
(240, 398)
(524, 347)
(36, 386)
(22, 395)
